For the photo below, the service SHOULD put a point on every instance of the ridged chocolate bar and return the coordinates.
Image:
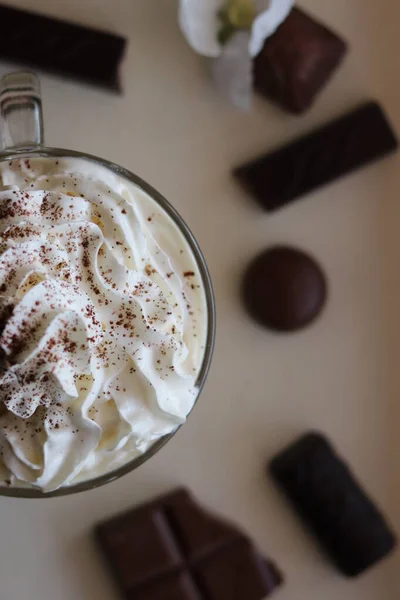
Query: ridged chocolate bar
(172, 548)
(83, 53)
(326, 496)
(328, 153)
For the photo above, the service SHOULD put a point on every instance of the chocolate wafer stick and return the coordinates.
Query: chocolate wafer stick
(342, 146)
(34, 40)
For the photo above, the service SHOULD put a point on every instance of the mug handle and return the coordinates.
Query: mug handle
(21, 120)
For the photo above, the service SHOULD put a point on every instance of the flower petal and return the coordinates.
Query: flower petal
(198, 20)
(233, 70)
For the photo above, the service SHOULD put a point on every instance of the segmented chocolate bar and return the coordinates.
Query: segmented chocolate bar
(173, 548)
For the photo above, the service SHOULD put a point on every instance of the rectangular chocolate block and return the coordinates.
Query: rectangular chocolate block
(297, 61)
(34, 40)
(329, 500)
(343, 146)
(173, 548)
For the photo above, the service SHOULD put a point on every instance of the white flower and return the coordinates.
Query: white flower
(200, 23)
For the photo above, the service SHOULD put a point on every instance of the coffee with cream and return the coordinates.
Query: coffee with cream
(102, 322)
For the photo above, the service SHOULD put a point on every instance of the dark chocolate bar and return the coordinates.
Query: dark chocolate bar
(34, 40)
(326, 496)
(297, 61)
(343, 146)
(172, 548)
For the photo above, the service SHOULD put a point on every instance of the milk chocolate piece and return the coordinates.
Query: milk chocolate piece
(173, 549)
(33, 40)
(284, 289)
(297, 61)
(326, 496)
(343, 146)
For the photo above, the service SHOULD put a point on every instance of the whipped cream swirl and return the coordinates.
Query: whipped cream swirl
(102, 322)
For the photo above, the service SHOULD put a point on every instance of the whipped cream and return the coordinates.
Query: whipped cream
(102, 322)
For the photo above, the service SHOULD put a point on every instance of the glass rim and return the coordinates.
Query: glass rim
(113, 475)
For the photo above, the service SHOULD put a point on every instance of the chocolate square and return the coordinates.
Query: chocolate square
(253, 577)
(197, 530)
(178, 586)
(297, 61)
(172, 549)
(142, 547)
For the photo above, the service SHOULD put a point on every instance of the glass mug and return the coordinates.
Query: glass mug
(21, 130)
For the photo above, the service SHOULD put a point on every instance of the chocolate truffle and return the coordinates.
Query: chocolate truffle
(327, 497)
(284, 289)
(297, 61)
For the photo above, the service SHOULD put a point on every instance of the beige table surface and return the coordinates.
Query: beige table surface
(341, 376)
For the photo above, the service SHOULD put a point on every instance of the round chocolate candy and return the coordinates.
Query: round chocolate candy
(284, 289)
